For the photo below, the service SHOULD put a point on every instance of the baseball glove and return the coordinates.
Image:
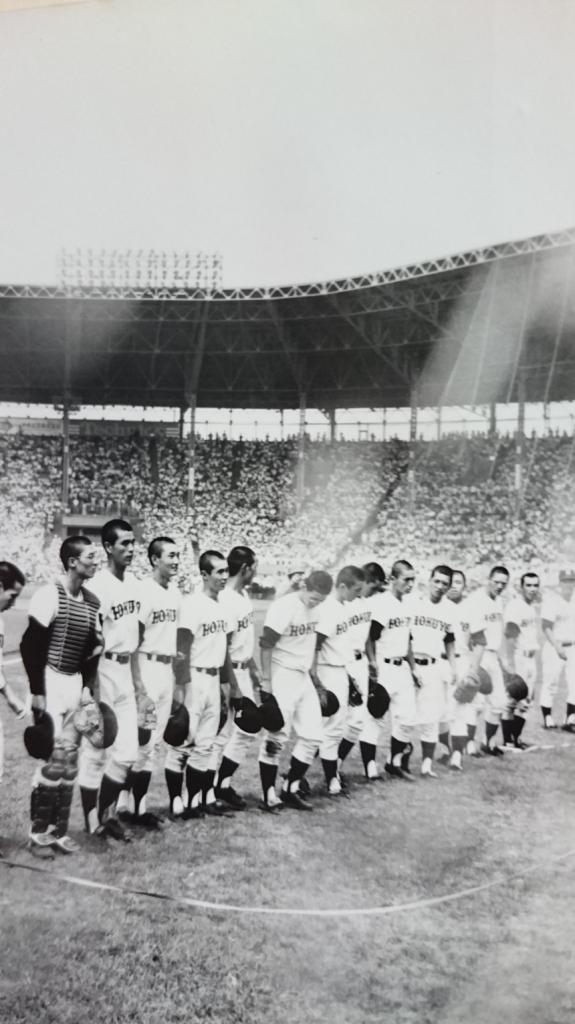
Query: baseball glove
(87, 718)
(329, 703)
(270, 713)
(466, 689)
(377, 700)
(147, 717)
(178, 725)
(485, 684)
(39, 738)
(248, 717)
(516, 686)
(355, 699)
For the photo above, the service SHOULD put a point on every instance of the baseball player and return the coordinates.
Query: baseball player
(469, 631)
(294, 582)
(158, 617)
(11, 583)
(432, 636)
(287, 654)
(485, 605)
(334, 653)
(360, 724)
(390, 654)
(558, 654)
(103, 773)
(203, 646)
(62, 638)
(232, 744)
(521, 646)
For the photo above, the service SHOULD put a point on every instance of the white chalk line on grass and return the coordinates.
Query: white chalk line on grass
(394, 908)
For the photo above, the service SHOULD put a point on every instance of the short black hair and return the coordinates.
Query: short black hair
(206, 563)
(444, 570)
(111, 529)
(530, 575)
(399, 566)
(238, 557)
(349, 575)
(73, 547)
(156, 545)
(459, 572)
(499, 568)
(11, 574)
(319, 581)
(374, 573)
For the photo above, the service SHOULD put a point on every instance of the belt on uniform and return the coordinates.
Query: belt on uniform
(425, 661)
(444, 656)
(528, 654)
(240, 664)
(164, 659)
(359, 655)
(393, 661)
(567, 643)
(210, 671)
(123, 659)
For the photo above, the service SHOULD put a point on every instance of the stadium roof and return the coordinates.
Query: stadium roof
(481, 326)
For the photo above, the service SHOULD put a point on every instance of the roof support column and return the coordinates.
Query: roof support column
(72, 335)
(438, 421)
(300, 484)
(492, 419)
(332, 425)
(412, 440)
(192, 379)
(191, 492)
(520, 442)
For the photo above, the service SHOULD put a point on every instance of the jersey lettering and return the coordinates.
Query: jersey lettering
(218, 626)
(164, 615)
(126, 608)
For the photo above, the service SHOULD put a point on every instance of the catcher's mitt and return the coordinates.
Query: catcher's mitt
(485, 684)
(355, 699)
(270, 713)
(147, 717)
(97, 722)
(248, 717)
(466, 689)
(178, 725)
(516, 686)
(377, 700)
(39, 738)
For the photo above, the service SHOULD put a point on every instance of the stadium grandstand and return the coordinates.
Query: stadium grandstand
(492, 325)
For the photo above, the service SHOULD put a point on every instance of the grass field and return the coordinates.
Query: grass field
(505, 954)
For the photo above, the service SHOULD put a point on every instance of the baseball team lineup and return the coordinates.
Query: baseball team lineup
(130, 676)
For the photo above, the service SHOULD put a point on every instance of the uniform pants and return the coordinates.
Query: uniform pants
(356, 717)
(458, 714)
(398, 682)
(497, 701)
(158, 680)
(430, 700)
(116, 690)
(300, 707)
(334, 678)
(203, 702)
(552, 667)
(526, 667)
(231, 741)
(63, 695)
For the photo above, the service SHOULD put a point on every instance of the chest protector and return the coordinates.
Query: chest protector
(72, 631)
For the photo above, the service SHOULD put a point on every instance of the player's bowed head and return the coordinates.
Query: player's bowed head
(12, 582)
(317, 587)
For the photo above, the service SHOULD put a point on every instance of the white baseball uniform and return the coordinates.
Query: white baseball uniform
(292, 657)
(2, 684)
(119, 606)
(431, 627)
(358, 718)
(468, 621)
(391, 649)
(336, 652)
(207, 620)
(231, 741)
(159, 615)
(488, 609)
(561, 614)
(518, 612)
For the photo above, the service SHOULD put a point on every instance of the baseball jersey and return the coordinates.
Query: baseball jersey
(208, 622)
(394, 617)
(333, 623)
(359, 618)
(524, 616)
(158, 613)
(296, 625)
(1, 651)
(561, 614)
(119, 606)
(240, 617)
(490, 609)
(431, 625)
(467, 620)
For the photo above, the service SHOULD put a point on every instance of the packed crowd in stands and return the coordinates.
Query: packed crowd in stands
(357, 501)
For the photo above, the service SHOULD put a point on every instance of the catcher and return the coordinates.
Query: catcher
(60, 650)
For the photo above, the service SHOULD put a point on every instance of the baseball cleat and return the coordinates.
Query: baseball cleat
(218, 809)
(176, 810)
(567, 727)
(549, 723)
(41, 852)
(522, 745)
(192, 813)
(233, 799)
(67, 845)
(271, 808)
(471, 749)
(428, 773)
(334, 787)
(114, 830)
(343, 781)
(295, 800)
(493, 751)
(444, 760)
(399, 773)
(148, 820)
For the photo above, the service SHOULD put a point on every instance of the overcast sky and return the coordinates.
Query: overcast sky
(302, 139)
